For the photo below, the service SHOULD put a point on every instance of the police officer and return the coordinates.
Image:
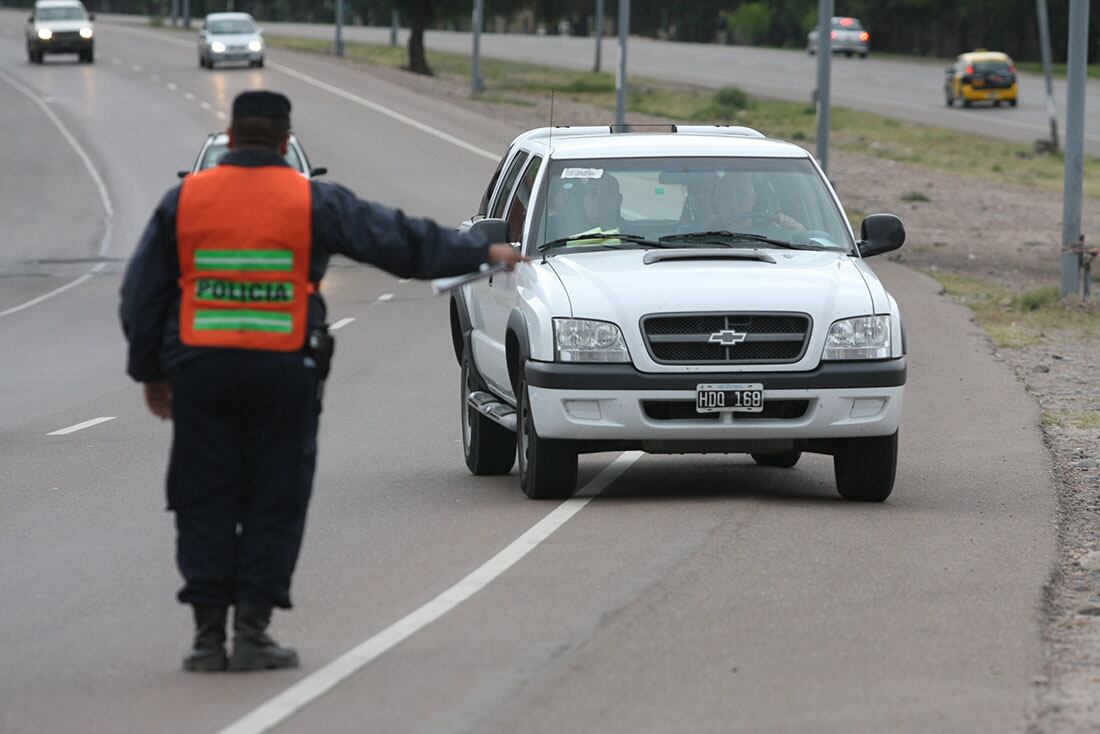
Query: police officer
(218, 304)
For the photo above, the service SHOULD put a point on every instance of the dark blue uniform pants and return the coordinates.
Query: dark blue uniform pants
(243, 453)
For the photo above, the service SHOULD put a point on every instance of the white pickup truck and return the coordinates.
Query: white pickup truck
(692, 289)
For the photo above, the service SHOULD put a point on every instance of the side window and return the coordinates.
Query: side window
(483, 207)
(506, 187)
(517, 210)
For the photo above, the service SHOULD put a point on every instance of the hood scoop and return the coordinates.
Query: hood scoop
(697, 253)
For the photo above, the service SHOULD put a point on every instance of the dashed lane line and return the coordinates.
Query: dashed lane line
(81, 426)
(172, 87)
(385, 297)
(341, 323)
(381, 109)
(104, 196)
(309, 689)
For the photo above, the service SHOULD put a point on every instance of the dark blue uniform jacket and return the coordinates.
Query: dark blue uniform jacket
(342, 224)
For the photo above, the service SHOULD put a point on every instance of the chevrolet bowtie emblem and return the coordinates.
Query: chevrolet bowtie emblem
(727, 337)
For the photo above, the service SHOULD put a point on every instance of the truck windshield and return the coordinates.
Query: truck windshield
(60, 13)
(698, 199)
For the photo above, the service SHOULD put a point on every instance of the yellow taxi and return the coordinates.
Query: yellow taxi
(981, 76)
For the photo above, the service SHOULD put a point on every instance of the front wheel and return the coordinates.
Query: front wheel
(1012, 102)
(865, 467)
(781, 459)
(259, 64)
(490, 449)
(547, 467)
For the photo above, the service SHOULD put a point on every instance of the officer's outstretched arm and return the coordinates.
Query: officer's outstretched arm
(405, 246)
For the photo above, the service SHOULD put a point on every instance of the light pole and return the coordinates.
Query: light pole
(339, 27)
(824, 61)
(620, 73)
(1075, 146)
(476, 85)
(1044, 51)
(598, 23)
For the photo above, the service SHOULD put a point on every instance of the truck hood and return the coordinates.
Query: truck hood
(620, 286)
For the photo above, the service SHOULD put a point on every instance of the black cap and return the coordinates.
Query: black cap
(260, 103)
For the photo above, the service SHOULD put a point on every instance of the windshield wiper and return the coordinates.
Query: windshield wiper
(633, 239)
(718, 237)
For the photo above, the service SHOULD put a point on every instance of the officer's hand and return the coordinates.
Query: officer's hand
(506, 254)
(158, 396)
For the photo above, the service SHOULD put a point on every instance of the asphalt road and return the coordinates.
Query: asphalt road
(691, 594)
(908, 90)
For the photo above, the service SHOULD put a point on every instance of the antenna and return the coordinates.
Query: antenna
(546, 176)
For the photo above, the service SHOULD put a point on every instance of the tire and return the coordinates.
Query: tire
(863, 55)
(948, 101)
(966, 102)
(1012, 102)
(782, 459)
(996, 103)
(87, 57)
(547, 468)
(490, 449)
(865, 468)
(848, 54)
(202, 61)
(260, 64)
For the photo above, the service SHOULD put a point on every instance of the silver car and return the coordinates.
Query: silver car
(848, 38)
(230, 37)
(60, 27)
(217, 144)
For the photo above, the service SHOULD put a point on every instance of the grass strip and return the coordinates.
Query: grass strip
(1015, 319)
(962, 153)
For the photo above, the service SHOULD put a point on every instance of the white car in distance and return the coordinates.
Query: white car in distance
(695, 289)
(230, 37)
(216, 145)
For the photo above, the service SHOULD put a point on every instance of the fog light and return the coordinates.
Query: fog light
(867, 407)
(587, 410)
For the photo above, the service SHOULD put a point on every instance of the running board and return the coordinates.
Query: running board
(490, 407)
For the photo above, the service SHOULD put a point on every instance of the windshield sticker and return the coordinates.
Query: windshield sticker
(582, 173)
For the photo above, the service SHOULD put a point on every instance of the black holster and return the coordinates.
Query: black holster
(320, 346)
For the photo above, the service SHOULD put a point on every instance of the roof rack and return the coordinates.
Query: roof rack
(565, 131)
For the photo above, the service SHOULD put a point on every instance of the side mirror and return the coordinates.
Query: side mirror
(496, 230)
(880, 233)
(182, 174)
(91, 16)
(319, 171)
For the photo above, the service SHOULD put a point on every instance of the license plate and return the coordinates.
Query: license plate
(729, 398)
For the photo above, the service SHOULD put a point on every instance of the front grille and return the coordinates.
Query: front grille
(684, 410)
(66, 36)
(763, 338)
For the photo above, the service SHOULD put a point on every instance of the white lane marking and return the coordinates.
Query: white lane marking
(155, 77)
(385, 297)
(341, 323)
(321, 681)
(104, 197)
(405, 119)
(205, 105)
(188, 96)
(405, 280)
(221, 115)
(172, 86)
(135, 68)
(82, 426)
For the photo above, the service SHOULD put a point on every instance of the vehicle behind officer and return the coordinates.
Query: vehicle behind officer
(225, 323)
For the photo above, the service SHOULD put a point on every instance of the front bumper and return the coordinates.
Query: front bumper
(234, 55)
(63, 45)
(618, 403)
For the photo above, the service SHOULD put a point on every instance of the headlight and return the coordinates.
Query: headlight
(217, 47)
(865, 337)
(85, 32)
(581, 340)
(45, 34)
(255, 46)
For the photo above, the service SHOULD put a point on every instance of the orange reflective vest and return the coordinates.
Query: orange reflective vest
(244, 236)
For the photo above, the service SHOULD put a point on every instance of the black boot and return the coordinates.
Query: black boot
(252, 648)
(208, 652)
